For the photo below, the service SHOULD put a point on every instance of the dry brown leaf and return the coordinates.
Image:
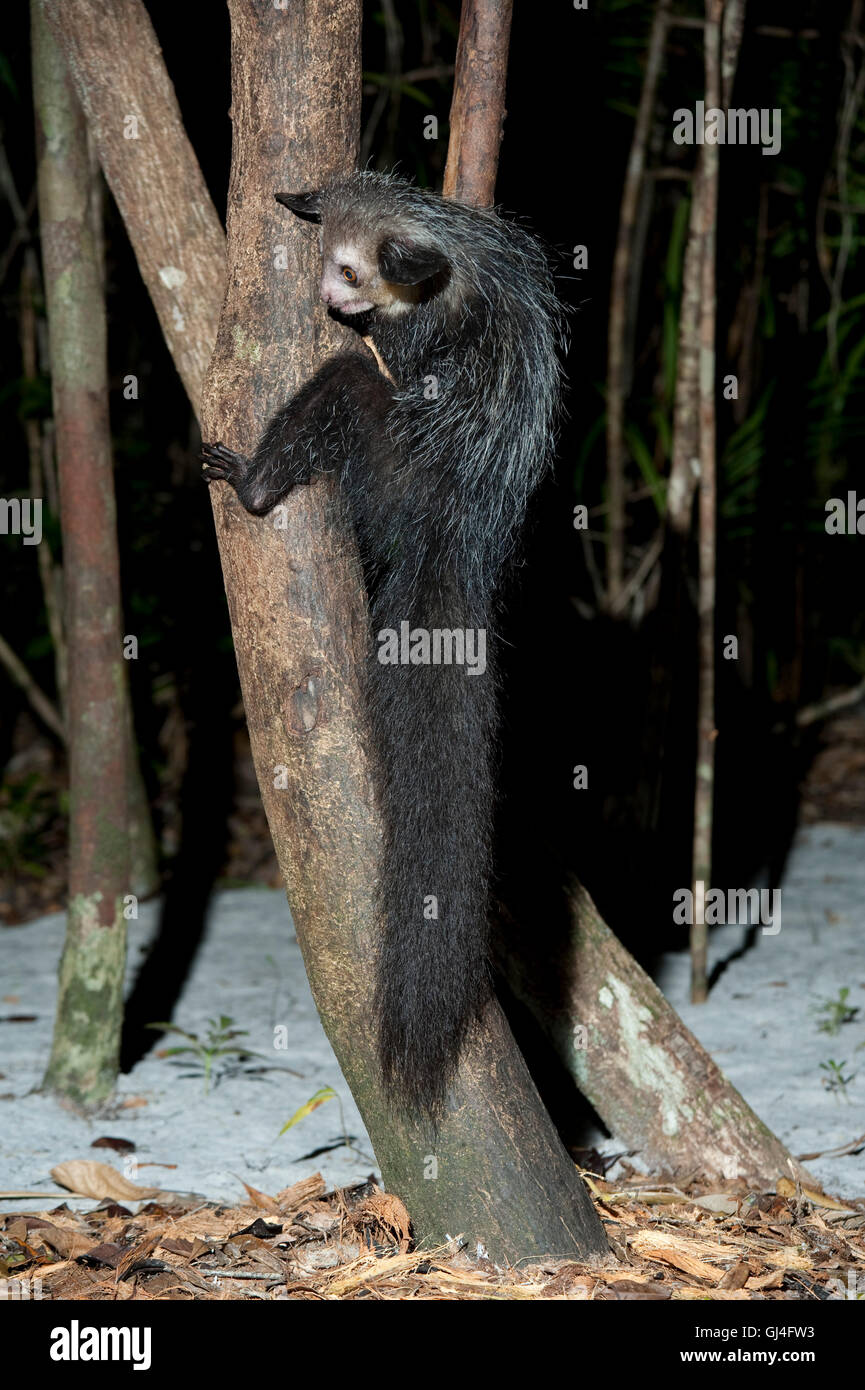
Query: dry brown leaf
(87, 1178)
(674, 1250)
(66, 1243)
(139, 1252)
(261, 1199)
(737, 1276)
(786, 1188)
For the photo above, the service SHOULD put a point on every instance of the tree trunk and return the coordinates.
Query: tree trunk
(83, 1063)
(706, 731)
(496, 1171)
(650, 1081)
(478, 106)
(154, 176)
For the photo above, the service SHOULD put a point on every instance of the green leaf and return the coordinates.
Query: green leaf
(326, 1093)
(644, 461)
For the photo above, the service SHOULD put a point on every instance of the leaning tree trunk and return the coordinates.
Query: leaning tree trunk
(651, 1082)
(84, 1056)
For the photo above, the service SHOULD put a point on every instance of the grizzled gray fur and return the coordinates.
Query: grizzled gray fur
(438, 465)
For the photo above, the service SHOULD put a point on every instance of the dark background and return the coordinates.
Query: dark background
(579, 687)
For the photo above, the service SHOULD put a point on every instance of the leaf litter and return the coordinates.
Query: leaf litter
(669, 1241)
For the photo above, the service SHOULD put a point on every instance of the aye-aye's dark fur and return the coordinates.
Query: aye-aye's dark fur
(438, 466)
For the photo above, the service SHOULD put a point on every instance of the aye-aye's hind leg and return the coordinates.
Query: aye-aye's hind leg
(312, 434)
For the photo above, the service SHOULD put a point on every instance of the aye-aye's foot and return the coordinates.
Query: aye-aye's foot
(222, 464)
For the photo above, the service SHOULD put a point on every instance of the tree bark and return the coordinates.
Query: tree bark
(50, 574)
(651, 1082)
(684, 467)
(706, 731)
(496, 1170)
(84, 1056)
(154, 176)
(478, 105)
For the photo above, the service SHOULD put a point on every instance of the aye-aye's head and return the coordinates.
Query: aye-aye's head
(369, 260)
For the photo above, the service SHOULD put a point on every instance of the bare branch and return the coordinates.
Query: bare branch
(478, 106)
(38, 699)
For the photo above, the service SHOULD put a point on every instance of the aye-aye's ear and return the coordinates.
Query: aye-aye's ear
(404, 264)
(305, 205)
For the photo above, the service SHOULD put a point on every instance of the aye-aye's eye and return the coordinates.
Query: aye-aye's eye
(349, 275)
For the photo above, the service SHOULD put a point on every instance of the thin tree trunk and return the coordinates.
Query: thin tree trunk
(84, 1056)
(672, 657)
(478, 104)
(684, 465)
(706, 731)
(143, 853)
(732, 28)
(50, 574)
(619, 296)
(143, 856)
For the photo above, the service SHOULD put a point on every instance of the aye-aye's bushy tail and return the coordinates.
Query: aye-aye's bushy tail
(433, 725)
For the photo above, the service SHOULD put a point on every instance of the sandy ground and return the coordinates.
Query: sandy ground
(760, 1024)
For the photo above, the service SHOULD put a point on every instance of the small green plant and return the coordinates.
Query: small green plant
(219, 1042)
(836, 1012)
(835, 1081)
(326, 1093)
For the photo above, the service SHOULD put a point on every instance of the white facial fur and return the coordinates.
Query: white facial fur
(367, 291)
